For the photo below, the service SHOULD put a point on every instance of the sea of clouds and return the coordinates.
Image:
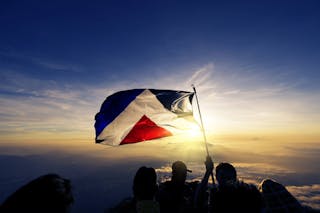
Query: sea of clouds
(102, 176)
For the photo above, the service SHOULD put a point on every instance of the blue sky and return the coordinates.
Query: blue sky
(77, 42)
(255, 64)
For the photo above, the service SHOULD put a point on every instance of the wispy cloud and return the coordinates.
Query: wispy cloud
(28, 103)
(64, 67)
(43, 62)
(32, 105)
(15, 82)
(202, 76)
(249, 103)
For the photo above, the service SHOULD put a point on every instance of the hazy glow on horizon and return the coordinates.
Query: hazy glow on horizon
(69, 113)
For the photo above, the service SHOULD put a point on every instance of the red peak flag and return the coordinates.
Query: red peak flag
(137, 115)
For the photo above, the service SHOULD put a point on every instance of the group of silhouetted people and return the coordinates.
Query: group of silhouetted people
(52, 193)
(228, 195)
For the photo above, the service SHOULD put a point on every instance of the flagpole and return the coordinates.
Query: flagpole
(202, 127)
(203, 132)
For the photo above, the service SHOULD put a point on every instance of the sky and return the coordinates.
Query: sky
(254, 64)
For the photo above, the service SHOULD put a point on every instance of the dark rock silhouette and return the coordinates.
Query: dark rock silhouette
(48, 193)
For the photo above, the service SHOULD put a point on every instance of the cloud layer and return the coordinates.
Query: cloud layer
(107, 172)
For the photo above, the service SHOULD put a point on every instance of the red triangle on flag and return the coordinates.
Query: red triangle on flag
(145, 129)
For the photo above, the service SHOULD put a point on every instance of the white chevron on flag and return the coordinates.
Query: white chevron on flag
(144, 104)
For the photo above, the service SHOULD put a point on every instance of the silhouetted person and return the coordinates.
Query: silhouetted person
(144, 189)
(176, 195)
(277, 198)
(47, 194)
(232, 195)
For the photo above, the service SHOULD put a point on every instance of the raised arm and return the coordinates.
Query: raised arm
(200, 199)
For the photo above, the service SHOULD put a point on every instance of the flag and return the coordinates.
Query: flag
(138, 115)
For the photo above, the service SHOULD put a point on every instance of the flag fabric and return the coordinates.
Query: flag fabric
(138, 115)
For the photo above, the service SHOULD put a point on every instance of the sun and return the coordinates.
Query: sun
(193, 133)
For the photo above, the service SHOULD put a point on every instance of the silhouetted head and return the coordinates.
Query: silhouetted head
(49, 193)
(225, 173)
(277, 198)
(179, 172)
(145, 183)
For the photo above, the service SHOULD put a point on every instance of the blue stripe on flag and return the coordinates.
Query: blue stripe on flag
(113, 106)
(167, 97)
